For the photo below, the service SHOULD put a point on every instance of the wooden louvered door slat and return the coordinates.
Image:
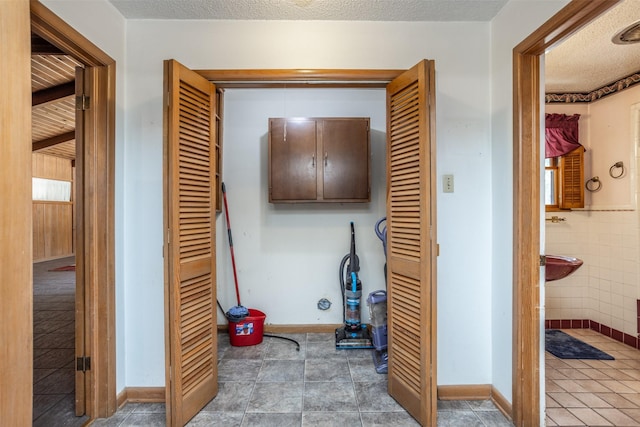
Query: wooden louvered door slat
(190, 288)
(411, 246)
(572, 178)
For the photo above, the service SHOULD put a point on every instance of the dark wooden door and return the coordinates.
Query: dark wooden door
(345, 158)
(293, 159)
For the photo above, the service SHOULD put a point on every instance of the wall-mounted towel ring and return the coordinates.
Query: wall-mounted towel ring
(620, 174)
(596, 184)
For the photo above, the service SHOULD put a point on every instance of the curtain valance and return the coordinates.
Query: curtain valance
(561, 134)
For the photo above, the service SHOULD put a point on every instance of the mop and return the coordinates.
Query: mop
(238, 312)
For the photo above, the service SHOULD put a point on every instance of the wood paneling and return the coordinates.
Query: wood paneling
(51, 167)
(52, 221)
(16, 271)
(53, 103)
(52, 230)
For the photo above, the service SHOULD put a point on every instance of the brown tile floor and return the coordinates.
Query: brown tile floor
(53, 345)
(594, 392)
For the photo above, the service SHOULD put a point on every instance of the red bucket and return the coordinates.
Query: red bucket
(247, 331)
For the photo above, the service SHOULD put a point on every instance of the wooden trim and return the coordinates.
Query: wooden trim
(121, 398)
(501, 402)
(16, 293)
(53, 258)
(141, 395)
(526, 199)
(465, 392)
(98, 231)
(526, 266)
(308, 79)
(476, 392)
(563, 24)
(50, 27)
(51, 202)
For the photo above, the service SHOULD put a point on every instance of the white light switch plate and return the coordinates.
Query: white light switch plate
(447, 183)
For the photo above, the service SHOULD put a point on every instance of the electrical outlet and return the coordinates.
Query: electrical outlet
(447, 183)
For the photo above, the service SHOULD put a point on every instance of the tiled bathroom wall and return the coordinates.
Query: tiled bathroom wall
(605, 288)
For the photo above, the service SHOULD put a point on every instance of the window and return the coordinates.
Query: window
(551, 182)
(563, 181)
(51, 190)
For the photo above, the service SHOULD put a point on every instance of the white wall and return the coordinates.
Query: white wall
(473, 68)
(287, 255)
(513, 24)
(102, 24)
(462, 66)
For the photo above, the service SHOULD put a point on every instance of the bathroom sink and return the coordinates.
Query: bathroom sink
(559, 267)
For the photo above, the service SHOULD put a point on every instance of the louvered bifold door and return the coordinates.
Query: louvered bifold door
(411, 247)
(190, 297)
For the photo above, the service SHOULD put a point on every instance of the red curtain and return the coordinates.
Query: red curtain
(561, 134)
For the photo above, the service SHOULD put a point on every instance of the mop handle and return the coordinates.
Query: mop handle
(233, 258)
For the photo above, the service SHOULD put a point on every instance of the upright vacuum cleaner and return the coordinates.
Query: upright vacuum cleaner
(353, 334)
(377, 302)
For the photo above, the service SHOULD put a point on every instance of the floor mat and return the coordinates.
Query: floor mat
(565, 346)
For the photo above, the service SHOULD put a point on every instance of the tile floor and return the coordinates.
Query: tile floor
(53, 345)
(271, 384)
(324, 387)
(594, 392)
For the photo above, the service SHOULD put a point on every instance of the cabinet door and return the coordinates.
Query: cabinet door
(292, 160)
(345, 159)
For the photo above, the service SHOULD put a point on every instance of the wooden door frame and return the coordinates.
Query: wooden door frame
(526, 200)
(345, 78)
(96, 227)
(16, 219)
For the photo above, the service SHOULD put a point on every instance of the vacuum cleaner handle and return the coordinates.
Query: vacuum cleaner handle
(354, 264)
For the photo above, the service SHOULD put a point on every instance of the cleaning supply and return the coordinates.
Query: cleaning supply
(237, 312)
(354, 334)
(377, 302)
(246, 326)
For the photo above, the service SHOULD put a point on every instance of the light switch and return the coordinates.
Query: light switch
(447, 183)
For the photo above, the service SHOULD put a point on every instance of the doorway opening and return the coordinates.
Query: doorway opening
(598, 302)
(92, 103)
(526, 404)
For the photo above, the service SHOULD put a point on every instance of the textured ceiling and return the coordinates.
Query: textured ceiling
(327, 10)
(589, 59)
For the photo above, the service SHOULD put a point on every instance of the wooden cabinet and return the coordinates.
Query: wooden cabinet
(319, 160)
